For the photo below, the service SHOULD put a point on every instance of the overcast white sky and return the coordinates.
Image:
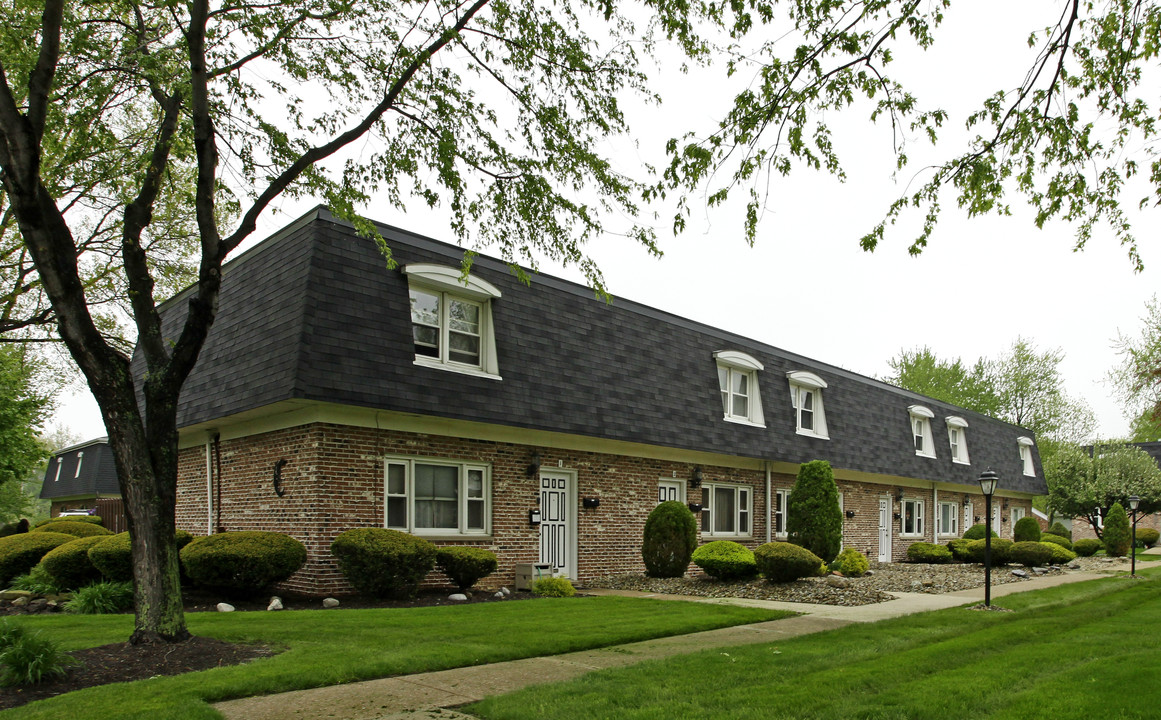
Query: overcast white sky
(807, 286)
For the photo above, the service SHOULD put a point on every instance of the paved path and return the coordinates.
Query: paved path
(425, 695)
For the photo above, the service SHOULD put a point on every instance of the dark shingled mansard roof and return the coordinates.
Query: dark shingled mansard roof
(98, 475)
(313, 313)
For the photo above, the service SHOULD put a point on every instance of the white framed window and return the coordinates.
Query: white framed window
(726, 510)
(1018, 514)
(80, 459)
(451, 320)
(1025, 445)
(738, 383)
(921, 430)
(949, 518)
(806, 398)
(969, 516)
(912, 518)
(668, 489)
(781, 498)
(437, 497)
(59, 464)
(957, 437)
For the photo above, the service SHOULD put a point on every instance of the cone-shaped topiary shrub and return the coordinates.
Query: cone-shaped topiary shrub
(977, 531)
(69, 565)
(851, 563)
(726, 560)
(243, 562)
(1027, 530)
(1148, 536)
(113, 556)
(1086, 547)
(783, 562)
(1116, 536)
(669, 540)
(20, 553)
(383, 563)
(1058, 529)
(465, 565)
(1057, 540)
(814, 520)
(76, 529)
(925, 552)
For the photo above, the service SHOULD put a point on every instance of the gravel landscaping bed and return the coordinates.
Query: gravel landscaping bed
(875, 587)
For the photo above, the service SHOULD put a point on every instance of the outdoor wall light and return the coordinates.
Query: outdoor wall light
(534, 466)
(966, 501)
(696, 478)
(850, 514)
(695, 507)
(977, 521)
(278, 489)
(898, 516)
(590, 502)
(898, 494)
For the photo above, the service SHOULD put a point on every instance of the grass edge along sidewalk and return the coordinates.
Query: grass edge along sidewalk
(1065, 651)
(327, 647)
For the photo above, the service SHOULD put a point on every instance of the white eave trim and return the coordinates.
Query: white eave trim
(1025, 441)
(806, 379)
(920, 411)
(453, 279)
(956, 421)
(735, 358)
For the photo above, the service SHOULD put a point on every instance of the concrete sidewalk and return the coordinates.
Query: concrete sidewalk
(426, 694)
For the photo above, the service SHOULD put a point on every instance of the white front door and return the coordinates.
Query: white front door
(557, 527)
(884, 529)
(969, 517)
(996, 527)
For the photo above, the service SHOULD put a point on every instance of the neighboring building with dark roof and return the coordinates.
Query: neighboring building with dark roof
(539, 421)
(82, 478)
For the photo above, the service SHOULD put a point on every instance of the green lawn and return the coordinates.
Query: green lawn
(338, 646)
(1086, 650)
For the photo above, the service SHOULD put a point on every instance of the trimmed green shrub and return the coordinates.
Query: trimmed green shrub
(37, 581)
(1116, 536)
(851, 563)
(1000, 551)
(383, 563)
(1148, 537)
(245, 561)
(465, 565)
(977, 531)
(1056, 540)
(1031, 554)
(669, 540)
(558, 587)
(1060, 554)
(28, 658)
(114, 556)
(69, 565)
(20, 553)
(959, 549)
(1086, 547)
(814, 520)
(1027, 530)
(1058, 529)
(92, 519)
(102, 598)
(76, 529)
(783, 562)
(925, 552)
(726, 560)
(14, 528)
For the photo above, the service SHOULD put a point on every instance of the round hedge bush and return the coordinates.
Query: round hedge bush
(1056, 540)
(113, 557)
(1086, 547)
(76, 529)
(925, 552)
(553, 587)
(1027, 530)
(383, 563)
(69, 565)
(91, 519)
(1001, 548)
(1148, 536)
(20, 553)
(726, 560)
(977, 531)
(1032, 554)
(1060, 554)
(851, 563)
(465, 565)
(783, 562)
(245, 561)
(1058, 529)
(669, 540)
(959, 549)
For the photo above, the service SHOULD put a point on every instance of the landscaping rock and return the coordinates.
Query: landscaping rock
(1074, 565)
(499, 595)
(1020, 573)
(458, 597)
(837, 581)
(275, 603)
(13, 594)
(225, 607)
(330, 603)
(506, 591)
(1039, 570)
(21, 601)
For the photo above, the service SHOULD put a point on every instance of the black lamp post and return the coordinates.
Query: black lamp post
(988, 480)
(1134, 503)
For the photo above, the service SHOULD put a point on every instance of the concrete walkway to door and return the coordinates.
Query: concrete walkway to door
(425, 695)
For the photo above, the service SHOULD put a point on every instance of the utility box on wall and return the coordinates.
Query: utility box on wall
(528, 573)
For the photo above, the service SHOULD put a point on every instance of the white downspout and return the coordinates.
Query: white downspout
(769, 517)
(209, 486)
(935, 528)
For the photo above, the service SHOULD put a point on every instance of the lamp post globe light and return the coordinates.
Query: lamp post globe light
(1134, 503)
(988, 480)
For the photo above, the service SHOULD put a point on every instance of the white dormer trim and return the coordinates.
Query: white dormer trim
(445, 277)
(1026, 441)
(806, 379)
(920, 421)
(956, 421)
(735, 358)
(921, 411)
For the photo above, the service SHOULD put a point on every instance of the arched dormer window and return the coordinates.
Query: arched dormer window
(451, 319)
(957, 438)
(738, 383)
(806, 398)
(921, 430)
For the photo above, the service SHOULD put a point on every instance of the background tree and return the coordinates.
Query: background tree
(1138, 377)
(23, 407)
(951, 381)
(813, 517)
(1084, 484)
